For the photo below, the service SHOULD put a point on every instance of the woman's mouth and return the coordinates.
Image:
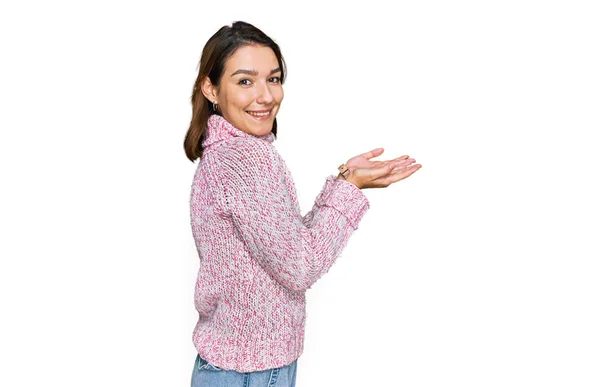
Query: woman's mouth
(260, 115)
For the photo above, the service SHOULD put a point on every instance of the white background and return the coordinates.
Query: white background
(479, 270)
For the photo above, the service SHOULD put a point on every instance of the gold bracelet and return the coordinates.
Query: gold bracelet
(344, 171)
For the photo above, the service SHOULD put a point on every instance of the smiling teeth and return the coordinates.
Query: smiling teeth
(259, 114)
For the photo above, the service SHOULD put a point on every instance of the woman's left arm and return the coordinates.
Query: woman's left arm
(295, 250)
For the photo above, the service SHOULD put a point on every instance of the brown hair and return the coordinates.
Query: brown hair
(218, 49)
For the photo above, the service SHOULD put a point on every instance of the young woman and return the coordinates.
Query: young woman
(258, 254)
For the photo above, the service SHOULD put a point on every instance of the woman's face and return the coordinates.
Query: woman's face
(250, 90)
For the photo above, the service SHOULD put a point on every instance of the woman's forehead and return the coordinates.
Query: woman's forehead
(251, 57)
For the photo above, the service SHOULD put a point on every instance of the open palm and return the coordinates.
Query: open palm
(363, 160)
(366, 173)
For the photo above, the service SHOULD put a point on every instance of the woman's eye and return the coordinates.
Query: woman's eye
(244, 82)
(275, 80)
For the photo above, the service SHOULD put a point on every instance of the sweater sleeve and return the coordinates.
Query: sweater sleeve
(295, 250)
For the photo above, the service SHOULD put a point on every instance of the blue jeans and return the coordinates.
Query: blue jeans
(208, 375)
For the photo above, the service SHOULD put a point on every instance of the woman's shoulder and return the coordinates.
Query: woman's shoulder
(247, 149)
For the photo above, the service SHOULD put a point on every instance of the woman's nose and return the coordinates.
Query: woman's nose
(265, 95)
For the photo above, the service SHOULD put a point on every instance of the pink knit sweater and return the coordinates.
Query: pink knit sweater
(258, 254)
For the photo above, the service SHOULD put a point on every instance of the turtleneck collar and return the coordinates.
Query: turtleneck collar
(219, 129)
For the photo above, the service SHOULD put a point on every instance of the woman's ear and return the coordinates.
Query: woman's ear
(208, 89)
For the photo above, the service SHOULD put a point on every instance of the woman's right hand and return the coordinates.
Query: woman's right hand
(379, 174)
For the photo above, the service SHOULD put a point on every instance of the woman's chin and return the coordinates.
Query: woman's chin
(262, 128)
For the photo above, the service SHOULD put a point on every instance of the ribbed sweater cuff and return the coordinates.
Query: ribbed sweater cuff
(344, 197)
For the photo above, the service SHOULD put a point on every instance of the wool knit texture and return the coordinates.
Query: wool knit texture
(258, 254)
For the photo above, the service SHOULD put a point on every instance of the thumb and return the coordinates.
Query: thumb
(381, 170)
(372, 153)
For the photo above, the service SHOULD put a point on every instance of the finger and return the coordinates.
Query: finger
(404, 173)
(385, 169)
(373, 153)
(393, 163)
(404, 165)
(375, 172)
(397, 159)
(404, 162)
(389, 166)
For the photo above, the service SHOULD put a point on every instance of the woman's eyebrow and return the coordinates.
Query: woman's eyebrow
(254, 72)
